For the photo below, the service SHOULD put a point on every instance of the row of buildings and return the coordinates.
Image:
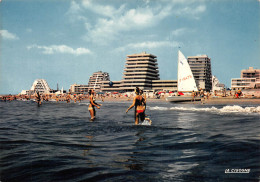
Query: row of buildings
(141, 70)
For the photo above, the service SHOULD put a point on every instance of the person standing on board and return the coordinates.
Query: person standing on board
(92, 105)
(139, 103)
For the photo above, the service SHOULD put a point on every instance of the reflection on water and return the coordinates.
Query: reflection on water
(179, 169)
(88, 145)
(185, 120)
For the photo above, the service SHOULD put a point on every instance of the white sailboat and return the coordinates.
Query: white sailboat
(186, 81)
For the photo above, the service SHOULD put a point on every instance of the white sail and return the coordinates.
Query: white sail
(186, 81)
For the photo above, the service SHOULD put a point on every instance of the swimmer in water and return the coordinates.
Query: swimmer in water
(139, 103)
(92, 105)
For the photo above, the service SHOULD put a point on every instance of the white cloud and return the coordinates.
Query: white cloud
(146, 1)
(149, 45)
(60, 49)
(192, 12)
(75, 12)
(7, 35)
(111, 22)
(74, 7)
(105, 10)
(107, 29)
(178, 32)
(183, 1)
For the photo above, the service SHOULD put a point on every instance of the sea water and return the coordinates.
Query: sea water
(186, 142)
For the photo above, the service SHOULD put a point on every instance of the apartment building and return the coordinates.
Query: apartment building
(78, 89)
(96, 79)
(201, 70)
(250, 79)
(111, 86)
(140, 70)
(170, 85)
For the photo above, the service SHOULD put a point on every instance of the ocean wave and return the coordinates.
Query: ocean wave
(225, 109)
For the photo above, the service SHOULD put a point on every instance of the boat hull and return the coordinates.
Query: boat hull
(181, 99)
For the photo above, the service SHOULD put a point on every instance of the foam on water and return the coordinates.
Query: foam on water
(225, 109)
(146, 122)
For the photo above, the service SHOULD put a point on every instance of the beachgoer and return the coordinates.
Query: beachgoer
(235, 95)
(75, 98)
(68, 98)
(193, 95)
(201, 95)
(38, 98)
(144, 97)
(80, 98)
(56, 98)
(92, 105)
(208, 94)
(239, 93)
(139, 103)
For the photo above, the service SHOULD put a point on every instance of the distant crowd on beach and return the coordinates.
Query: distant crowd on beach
(69, 97)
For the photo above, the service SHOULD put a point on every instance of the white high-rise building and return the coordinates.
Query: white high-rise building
(96, 79)
(140, 70)
(201, 70)
(41, 86)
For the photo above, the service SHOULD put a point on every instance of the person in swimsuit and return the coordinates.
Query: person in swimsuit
(144, 99)
(92, 105)
(68, 97)
(146, 116)
(139, 103)
(38, 98)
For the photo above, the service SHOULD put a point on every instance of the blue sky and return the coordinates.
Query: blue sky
(66, 41)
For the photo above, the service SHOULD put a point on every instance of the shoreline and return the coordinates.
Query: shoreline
(222, 100)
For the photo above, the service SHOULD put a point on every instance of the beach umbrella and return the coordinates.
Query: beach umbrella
(171, 92)
(100, 93)
(115, 92)
(180, 93)
(161, 92)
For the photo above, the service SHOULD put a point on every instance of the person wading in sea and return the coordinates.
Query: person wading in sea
(38, 98)
(139, 103)
(92, 105)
